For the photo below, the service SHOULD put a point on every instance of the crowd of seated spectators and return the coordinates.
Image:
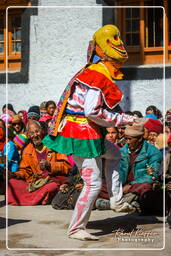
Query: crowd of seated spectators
(37, 175)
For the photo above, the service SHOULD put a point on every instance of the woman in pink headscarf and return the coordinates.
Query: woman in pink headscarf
(7, 119)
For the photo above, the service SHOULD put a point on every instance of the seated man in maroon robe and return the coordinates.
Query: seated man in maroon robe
(41, 171)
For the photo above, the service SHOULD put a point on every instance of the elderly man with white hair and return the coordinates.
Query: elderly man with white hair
(40, 173)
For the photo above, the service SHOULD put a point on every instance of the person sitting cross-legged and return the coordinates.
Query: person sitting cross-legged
(140, 164)
(69, 192)
(102, 202)
(40, 173)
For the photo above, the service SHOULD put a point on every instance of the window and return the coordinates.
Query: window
(142, 30)
(2, 43)
(153, 26)
(14, 35)
(132, 20)
(14, 41)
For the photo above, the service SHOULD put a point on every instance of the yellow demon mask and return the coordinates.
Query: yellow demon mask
(108, 39)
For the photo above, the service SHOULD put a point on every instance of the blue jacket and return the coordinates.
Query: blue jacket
(148, 156)
(12, 155)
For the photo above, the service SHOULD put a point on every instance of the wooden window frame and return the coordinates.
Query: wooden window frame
(14, 59)
(141, 55)
(127, 20)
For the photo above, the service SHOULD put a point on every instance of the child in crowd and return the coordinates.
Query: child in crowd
(50, 109)
(20, 141)
(154, 111)
(18, 126)
(8, 148)
(112, 134)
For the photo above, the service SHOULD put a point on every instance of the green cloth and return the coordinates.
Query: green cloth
(79, 147)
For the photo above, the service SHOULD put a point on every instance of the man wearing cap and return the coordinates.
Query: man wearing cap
(140, 162)
(152, 129)
(20, 141)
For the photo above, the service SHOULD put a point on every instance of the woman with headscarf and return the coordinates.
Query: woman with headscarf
(8, 108)
(154, 111)
(23, 115)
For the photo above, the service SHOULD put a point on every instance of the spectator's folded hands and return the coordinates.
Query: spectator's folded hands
(79, 187)
(64, 188)
(126, 188)
(12, 175)
(44, 164)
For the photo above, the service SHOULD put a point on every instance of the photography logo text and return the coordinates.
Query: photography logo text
(138, 235)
